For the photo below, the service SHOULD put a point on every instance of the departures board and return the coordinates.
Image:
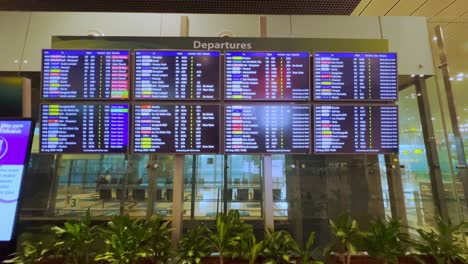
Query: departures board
(181, 128)
(272, 128)
(355, 76)
(177, 75)
(349, 129)
(267, 76)
(84, 128)
(85, 74)
(236, 102)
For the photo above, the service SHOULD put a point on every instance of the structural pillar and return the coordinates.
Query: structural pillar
(178, 200)
(457, 137)
(435, 174)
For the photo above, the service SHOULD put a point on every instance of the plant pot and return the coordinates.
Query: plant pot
(52, 261)
(355, 259)
(215, 260)
(416, 259)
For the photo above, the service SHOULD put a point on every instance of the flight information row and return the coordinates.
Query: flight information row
(210, 128)
(206, 75)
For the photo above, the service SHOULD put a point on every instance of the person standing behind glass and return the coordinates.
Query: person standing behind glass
(108, 177)
(103, 180)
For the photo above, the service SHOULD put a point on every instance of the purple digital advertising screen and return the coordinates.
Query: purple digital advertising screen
(15, 136)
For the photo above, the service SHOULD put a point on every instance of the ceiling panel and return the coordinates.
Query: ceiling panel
(360, 7)
(454, 10)
(406, 7)
(279, 7)
(432, 7)
(379, 7)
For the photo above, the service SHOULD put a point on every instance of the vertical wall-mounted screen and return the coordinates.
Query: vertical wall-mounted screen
(257, 129)
(267, 76)
(355, 129)
(85, 74)
(177, 75)
(176, 128)
(15, 137)
(84, 128)
(355, 76)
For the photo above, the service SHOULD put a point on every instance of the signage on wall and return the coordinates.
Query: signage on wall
(221, 44)
(15, 138)
(225, 45)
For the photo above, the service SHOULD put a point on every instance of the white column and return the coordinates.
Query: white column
(268, 192)
(178, 199)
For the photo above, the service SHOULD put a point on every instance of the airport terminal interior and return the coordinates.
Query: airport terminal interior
(425, 175)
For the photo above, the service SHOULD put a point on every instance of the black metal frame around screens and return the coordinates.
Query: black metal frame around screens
(221, 102)
(25, 170)
(369, 101)
(223, 77)
(129, 119)
(88, 99)
(218, 94)
(348, 104)
(220, 118)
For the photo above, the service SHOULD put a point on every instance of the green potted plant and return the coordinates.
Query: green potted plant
(306, 252)
(74, 239)
(444, 243)
(35, 248)
(227, 237)
(194, 246)
(159, 240)
(279, 247)
(346, 234)
(385, 241)
(126, 241)
(251, 248)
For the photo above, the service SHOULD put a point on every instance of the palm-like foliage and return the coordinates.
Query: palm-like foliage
(251, 248)
(346, 234)
(126, 241)
(74, 240)
(445, 242)
(278, 247)
(159, 241)
(194, 246)
(306, 253)
(34, 249)
(385, 241)
(228, 235)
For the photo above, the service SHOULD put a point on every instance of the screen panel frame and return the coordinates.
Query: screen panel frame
(230, 100)
(218, 94)
(313, 152)
(365, 101)
(282, 103)
(83, 103)
(220, 139)
(129, 79)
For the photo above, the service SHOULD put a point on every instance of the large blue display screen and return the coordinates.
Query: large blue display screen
(355, 76)
(84, 128)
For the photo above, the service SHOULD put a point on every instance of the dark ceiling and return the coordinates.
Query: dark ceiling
(276, 7)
